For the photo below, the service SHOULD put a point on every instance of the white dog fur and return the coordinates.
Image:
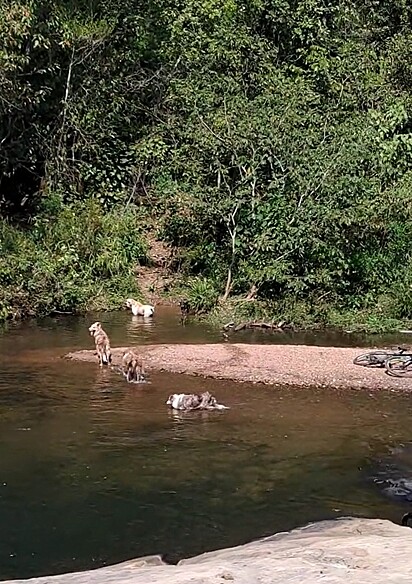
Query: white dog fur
(139, 309)
(184, 401)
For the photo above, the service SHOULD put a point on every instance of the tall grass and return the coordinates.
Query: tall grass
(75, 259)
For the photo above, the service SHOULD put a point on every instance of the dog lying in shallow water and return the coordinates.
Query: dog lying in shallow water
(132, 365)
(204, 401)
(102, 343)
(139, 309)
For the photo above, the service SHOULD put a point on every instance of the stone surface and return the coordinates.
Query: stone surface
(294, 365)
(344, 551)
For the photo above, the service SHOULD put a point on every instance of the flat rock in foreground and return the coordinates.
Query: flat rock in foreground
(295, 365)
(361, 551)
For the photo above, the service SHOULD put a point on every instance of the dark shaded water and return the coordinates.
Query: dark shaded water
(94, 471)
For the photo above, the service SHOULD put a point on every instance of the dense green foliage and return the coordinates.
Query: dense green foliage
(82, 260)
(269, 139)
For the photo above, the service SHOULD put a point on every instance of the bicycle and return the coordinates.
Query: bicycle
(399, 365)
(378, 358)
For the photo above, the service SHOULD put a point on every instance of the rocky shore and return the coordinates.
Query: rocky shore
(343, 551)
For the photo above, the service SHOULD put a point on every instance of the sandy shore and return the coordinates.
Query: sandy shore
(293, 365)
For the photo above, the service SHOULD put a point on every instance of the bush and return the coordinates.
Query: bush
(77, 260)
(202, 294)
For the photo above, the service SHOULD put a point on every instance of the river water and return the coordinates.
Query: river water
(94, 471)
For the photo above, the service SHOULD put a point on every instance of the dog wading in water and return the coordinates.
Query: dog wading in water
(132, 366)
(188, 402)
(139, 309)
(102, 342)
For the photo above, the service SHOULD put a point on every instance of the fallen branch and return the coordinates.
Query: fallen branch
(265, 325)
(254, 325)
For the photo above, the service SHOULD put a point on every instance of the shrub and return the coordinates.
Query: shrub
(79, 259)
(202, 294)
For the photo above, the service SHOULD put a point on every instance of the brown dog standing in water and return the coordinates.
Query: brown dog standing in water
(102, 343)
(132, 366)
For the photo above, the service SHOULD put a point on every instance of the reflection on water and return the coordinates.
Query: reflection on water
(125, 329)
(95, 471)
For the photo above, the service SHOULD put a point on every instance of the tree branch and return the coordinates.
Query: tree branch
(232, 233)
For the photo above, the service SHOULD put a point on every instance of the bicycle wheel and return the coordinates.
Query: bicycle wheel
(372, 359)
(399, 365)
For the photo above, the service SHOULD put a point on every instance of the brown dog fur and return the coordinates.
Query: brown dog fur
(132, 366)
(102, 343)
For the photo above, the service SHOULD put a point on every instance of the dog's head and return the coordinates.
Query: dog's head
(170, 399)
(95, 327)
(130, 302)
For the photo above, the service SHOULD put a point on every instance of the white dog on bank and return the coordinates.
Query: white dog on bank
(139, 309)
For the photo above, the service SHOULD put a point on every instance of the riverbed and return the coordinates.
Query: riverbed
(95, 471)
